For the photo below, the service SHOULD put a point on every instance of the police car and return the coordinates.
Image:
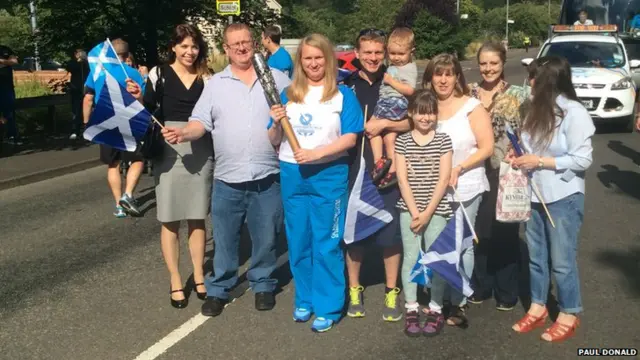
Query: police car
(600, 68)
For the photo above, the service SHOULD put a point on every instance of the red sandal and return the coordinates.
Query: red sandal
(530, 322)
(560, 332)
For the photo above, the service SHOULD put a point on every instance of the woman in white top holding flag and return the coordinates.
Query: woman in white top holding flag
(326, 119)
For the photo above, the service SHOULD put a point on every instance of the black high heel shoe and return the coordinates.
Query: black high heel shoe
(178, 304)
(201, 296)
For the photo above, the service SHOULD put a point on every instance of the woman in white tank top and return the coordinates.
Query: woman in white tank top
(468, 124)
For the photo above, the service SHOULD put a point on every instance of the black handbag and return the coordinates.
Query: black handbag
(152, 145)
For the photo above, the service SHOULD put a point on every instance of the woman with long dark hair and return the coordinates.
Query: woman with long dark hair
(556, 137)
(183, 172)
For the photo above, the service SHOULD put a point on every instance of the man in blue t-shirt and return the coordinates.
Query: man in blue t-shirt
(126, 204)
(278, 58)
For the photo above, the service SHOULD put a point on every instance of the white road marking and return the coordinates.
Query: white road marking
(196, 321)
(176, 335)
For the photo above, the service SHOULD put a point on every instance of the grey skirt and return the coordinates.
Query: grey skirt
(183, 176)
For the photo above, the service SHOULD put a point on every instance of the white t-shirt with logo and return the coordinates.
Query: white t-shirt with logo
(317, 124)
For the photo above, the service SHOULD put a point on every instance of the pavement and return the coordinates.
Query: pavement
(77, 283)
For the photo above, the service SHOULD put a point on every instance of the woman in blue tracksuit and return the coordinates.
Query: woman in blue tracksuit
(327, 120)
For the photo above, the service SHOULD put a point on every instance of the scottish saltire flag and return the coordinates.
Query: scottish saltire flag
(118, 120)
(513, 138)
(103, 59)
(421, 274)
(365, 211)
(444, 255)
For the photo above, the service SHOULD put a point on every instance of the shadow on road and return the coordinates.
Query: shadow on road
(39, 144)
(624, 150)
(625, 261)
(620, 180)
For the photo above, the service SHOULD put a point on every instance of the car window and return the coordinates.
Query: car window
(587, 53)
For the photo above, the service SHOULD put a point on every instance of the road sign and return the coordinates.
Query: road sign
(228, 7)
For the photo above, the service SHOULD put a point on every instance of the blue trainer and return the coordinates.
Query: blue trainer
(301, 315)
(120, 213)
(321, 325)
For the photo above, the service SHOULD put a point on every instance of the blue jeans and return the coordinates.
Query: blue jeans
(260, 203)
(315, 201)
(468, 256)
(411, 244)
(562, 243)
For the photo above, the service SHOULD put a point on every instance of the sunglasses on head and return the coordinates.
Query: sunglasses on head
(372, 31)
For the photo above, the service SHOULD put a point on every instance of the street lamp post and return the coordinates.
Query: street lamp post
(34, 30)
(507, 25)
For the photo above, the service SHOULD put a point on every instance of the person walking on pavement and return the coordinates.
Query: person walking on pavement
(278, 58)
(183, 172)
(7, 93)
(527, 43)
(315, 179)
(246, 185)
(125, 203)
(366, 82)
(78, 68)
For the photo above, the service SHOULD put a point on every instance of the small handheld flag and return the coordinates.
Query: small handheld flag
(118, 120)
(445, 254)
(421, 274)
(366, 212)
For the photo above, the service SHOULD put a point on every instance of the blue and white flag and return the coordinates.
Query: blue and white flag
(445, 254)
(365, 212)
(103, 59)
(118, 120)
(513, 138)
(421, 274)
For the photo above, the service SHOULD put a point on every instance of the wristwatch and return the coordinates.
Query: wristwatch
(540, 163)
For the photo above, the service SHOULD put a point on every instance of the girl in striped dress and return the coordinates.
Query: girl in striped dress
(423, 157)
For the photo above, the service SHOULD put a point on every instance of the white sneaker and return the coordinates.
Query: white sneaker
(73, 137)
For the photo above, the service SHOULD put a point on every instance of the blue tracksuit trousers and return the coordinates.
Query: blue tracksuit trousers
(315, 200)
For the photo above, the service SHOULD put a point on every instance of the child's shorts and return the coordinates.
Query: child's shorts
(393, 108)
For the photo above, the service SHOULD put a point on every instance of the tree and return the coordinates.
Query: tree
(434, 36)
(442, 9)
(145, 24)
(15, 31)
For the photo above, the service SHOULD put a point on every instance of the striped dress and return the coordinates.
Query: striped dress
(423, 169)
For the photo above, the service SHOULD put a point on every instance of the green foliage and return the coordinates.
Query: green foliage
(340, 27)
(146, 24)
(529, 20)
(435, 36)
(15, 31)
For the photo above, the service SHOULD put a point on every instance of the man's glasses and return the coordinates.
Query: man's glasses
(245, 44)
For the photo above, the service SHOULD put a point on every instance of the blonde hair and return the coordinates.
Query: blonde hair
(402, 36)
(440, 64)
(300, 84)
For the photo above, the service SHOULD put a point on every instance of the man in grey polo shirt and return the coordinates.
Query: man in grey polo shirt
(247, 176)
